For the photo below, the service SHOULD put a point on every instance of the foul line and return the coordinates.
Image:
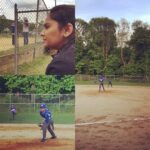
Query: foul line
(111, 121)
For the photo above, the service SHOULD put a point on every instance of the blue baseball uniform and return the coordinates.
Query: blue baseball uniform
(47, 115)
(101, 82)
(110, 82)
(13, 111)
(101, 78)
(12, 28)
(48, 122)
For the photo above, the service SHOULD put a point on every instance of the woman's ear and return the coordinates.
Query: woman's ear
(68, 30)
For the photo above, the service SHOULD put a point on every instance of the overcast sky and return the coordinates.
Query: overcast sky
(115, 9)
(87, 9)
(7, 6)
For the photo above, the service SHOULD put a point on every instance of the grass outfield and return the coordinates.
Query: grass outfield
(11, 50)
(26, 113)
(29, 117)
(37, 66)
(7, 47)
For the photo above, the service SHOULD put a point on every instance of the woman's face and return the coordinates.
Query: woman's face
(53, 35)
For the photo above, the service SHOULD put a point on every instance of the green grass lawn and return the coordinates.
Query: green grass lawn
(29, 114)
(59, 118)
(21, 49)
(36, 67)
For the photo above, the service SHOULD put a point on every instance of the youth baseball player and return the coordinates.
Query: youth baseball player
(101, 82)
(13, 111)
(47, 123)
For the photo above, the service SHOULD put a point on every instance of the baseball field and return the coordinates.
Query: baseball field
(116, 119)
(23, 132)
(27, 137)
(7, 42)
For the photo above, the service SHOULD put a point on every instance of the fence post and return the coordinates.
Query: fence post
(37, 18)
(59, 102)
(16, 40)
(34, 101)
(10, 100)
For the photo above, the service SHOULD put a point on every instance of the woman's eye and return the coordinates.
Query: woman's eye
(46, 26)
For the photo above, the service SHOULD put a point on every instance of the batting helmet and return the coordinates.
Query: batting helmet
(43, 106)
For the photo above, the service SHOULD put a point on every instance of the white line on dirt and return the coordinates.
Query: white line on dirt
(112, 121)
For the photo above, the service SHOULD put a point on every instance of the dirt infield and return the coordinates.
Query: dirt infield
(117, 119)
(27, 137)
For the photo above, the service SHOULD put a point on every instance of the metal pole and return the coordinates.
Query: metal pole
(59, 102)
(37, 17)
(16, 40)
(10, 103)
(55, 2)
(45, 4)
(34, 102)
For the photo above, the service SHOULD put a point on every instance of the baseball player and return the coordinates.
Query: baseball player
(26, 31)
(12, 28)
(110, 82)
(13, 111)
(101, 82)
(47, 123)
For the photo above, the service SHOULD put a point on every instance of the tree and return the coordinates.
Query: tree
(104, 46)
(82, 38)
(105, 28)
(122, 37)
(140, 43)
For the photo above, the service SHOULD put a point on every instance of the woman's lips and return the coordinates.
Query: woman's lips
(44, 41)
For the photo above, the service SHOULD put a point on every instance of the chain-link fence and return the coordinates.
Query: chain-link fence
(29, 47)
(116, 78)
(21, 50)
(20, 42)
(27, 107)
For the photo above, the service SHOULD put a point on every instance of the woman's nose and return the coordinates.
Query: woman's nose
(42, 33)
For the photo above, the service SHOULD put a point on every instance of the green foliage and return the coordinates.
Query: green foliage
(28, 113)
(98, 48)
(39, 84)
(113, 64)
(67, 84)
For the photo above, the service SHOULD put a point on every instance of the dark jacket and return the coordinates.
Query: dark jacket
(63, 62)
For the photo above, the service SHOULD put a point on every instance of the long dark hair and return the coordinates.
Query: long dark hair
(63, 14)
